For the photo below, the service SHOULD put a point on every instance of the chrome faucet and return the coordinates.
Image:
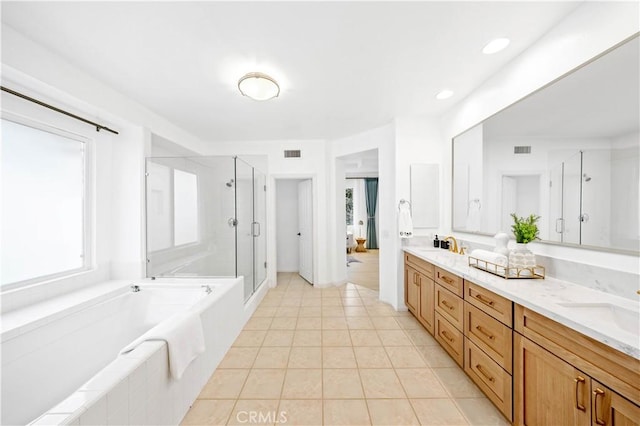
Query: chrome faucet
(135, 288)
(455, 244)
(207, 288)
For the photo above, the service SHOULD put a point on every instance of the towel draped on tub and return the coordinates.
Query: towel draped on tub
(184, 336)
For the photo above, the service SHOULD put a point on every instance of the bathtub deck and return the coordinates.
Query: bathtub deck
(337, 356)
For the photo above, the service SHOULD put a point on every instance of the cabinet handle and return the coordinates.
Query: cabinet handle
(487, 376)
(579, 380)
(415, 277)
(446, 279)
(446, 305)
(483, 300)
(598, 392)
(446, 336)
(485, 332)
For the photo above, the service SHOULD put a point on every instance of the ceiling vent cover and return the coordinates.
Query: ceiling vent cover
(292, 153)
(522, 149)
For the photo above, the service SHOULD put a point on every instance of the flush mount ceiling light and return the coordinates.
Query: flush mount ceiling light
(494, 46)
(444, 94)
(258, 86)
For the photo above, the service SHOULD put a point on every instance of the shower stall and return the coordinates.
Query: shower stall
(594, 198)
(205, 217)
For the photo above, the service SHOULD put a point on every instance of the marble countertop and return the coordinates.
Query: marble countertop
(607, 318)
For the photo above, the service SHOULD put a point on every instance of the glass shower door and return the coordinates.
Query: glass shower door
(572, 198)
(244, 225)
(260, 221)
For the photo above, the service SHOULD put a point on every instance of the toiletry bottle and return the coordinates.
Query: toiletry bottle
(436, 241)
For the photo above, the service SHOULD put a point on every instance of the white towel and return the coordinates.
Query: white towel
(184, 337)
(489, 256)
(405, 223)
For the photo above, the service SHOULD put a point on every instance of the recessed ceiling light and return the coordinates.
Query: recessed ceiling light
(258, 86)
(494, 46)
(444, 94)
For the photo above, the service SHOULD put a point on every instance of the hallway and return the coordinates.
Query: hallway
(363, 269)
(337, 355)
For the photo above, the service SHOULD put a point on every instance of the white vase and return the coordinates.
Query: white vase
(522, 258)
(502, 240)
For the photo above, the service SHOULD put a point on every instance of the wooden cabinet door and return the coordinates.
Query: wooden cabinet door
(426, 308)
(548, 391)
(610, 409)
(412, 289)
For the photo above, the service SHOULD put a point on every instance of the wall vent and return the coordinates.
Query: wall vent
(292, 153)
(522, 149)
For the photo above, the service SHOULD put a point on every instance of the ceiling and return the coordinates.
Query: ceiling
(343, 67)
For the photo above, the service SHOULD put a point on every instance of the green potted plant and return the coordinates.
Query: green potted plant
(525, 230)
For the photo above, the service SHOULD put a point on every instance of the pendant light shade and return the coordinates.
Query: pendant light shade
(258, 86)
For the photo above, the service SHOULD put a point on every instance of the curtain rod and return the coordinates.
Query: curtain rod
(366, 177)
(56, 109)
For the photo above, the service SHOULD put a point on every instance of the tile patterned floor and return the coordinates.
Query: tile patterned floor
(337, 356)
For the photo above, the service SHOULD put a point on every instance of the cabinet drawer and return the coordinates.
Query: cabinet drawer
(422, 266)
(490, 377)
(489, 302)
(490, 335)
(449, 281)
(450, 339)
(450, 307)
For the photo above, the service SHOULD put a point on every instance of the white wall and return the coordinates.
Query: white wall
(590, 30)
(287, 224)
(118, 209)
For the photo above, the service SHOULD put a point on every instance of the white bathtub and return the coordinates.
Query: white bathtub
(66, 368)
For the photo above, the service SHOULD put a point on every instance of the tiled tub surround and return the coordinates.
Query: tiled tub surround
(70, 358)
(546, 296)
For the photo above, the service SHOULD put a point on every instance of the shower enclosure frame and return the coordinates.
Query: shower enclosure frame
(230, 225)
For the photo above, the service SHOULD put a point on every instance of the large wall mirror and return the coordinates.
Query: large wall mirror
(569, 153)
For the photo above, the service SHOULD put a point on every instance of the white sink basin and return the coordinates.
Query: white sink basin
(626, 319)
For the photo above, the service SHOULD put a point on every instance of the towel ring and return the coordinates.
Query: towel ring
(403, 201)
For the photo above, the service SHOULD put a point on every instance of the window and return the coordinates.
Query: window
(185, 217)
(172, 207)
(349, 205)
(43, 204)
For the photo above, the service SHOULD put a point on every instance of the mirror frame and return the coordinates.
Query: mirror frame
(546, 242)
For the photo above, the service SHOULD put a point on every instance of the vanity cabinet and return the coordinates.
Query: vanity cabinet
(534, 370)
(419, 290)
(564, 377)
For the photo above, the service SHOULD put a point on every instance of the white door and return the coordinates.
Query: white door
(305, 231)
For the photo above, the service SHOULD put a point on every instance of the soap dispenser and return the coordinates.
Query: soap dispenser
(436, 241)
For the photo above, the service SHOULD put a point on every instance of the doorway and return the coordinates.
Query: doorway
(360, 219)
(294, 228)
